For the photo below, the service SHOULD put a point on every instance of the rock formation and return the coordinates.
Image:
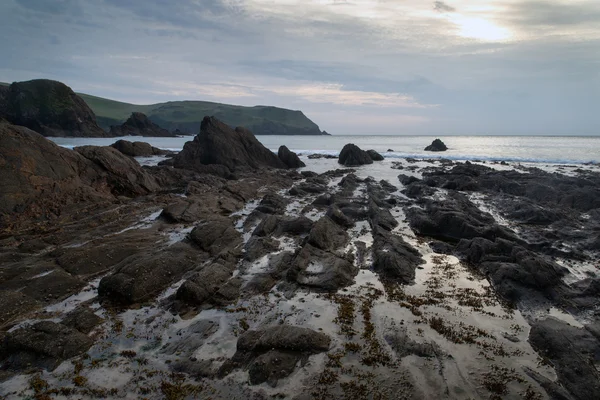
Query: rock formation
(375, 156)
(138, 124)
(436, 145)
(50, 108)
(352, 155)
(138, 149)
(231, 149)
(289, 158)
(40, 178)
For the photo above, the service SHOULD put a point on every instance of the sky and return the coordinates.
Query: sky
(391, 67)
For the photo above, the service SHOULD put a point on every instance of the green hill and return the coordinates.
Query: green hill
(187, 115)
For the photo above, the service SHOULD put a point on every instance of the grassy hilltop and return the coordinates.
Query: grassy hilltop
(187, 115)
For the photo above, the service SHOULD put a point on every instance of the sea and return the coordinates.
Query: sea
(527, 149)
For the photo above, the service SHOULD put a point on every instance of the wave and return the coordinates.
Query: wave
(458, 157)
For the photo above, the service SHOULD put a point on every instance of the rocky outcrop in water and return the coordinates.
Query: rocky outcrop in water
(375, 156)
(436, 145)
(139, 149)
(50, 108)
(138, 124)
(289, 158)
(351, 155)
(233, 149)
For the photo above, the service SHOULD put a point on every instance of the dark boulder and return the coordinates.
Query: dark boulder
(407, 179)
(138, 124)
(235, 149)
(323, 270)
(83, 319)
(142, 278)
(436, 145)
(43, 345)
(50, 108)
(217, 235)
(272, 353)
(573, 351)
(454, 219)
(124, 175)
(327, 235)
(352, 155)
(337, 216)
(289, 158)
(375, 156)
(138, 149)
(394, 259)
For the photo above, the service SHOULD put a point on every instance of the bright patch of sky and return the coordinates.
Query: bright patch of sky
(354, 67)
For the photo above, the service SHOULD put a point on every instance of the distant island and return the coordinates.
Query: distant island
(182, 117)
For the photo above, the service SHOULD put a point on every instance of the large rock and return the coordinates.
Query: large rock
(323, 270)
(41, 180)
(436, 145)
(138, 149)
(352, 155)
(235, 149)
(124, 175)
(289, 158)
(375, 156)
(43, 345)
(272, 353)
(138, 124)
(144, 277)
(393, 258)
(574, 352)
(50, 108)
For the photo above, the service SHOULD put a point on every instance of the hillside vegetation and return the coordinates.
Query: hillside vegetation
(187, 116)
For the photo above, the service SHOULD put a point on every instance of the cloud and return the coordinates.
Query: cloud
(56, 7)
(442, 7)
(379, 63)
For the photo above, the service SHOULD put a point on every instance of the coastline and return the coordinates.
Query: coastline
(342, 252)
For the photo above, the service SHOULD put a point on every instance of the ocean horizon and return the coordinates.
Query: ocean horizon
(530, 149)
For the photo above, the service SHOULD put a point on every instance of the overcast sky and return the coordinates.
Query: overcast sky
(353, 67)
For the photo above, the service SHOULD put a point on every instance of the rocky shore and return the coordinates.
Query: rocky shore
(230, 271)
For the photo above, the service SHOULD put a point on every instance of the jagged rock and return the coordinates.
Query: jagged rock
(319, 156)
(138, 149)
(352, 155)
(13, 304)
(289, 158)
(272, 353)
(337, 216)
(216, 235)
(50, 108)
(272, 203)
(321, 269)
(375, 156)
(185, 210)
(124, 175)
(217, 143)
(436, 145)
(305, 188)
(327, 235)
(40, 179)
(573, 352)
(83, 319)
(381, 216)
(43, 345)
(257, 247)
(138, 124)
(455, 219)
(407, 179)
(309, 174)
(144, 277)
(393, 258)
